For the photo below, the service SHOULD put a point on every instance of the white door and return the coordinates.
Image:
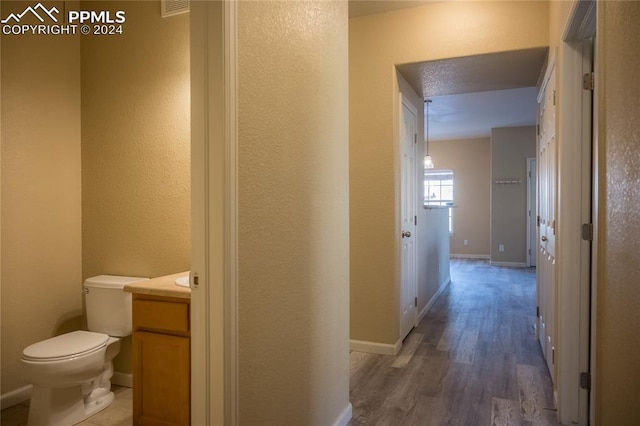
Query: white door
(408, 140)
(547, 219)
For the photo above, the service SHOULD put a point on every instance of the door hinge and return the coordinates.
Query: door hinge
(585, 381)
(553, 355)
(554, 97)
(538, 220)
(415, 138)
(529, 252)
(587, 231)
(588, 81)
(415, 301)
(538, 129)
(538, 311)
(415, 220)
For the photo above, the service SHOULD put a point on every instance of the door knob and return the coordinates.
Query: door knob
(544, 238)
(406, 234)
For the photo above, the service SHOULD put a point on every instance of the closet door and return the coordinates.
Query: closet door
(547, 208)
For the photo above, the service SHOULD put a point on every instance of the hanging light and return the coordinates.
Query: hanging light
(428, 163)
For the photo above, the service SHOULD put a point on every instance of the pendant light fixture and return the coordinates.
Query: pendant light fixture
(428, 163)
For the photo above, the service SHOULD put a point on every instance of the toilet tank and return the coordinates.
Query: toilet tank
(108, 305)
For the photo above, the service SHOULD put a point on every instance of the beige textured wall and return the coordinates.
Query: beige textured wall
(136, 147)
(41, 224)
(617, 384)
(470, 160)
(293, 212)
(510, 148)
(376, 44)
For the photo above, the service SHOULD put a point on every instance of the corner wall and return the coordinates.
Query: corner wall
(470, 160)
(376, 44)
(510, 148)
(293, 213)
(41, 222)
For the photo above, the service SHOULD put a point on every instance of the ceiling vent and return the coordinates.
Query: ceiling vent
(173, 7)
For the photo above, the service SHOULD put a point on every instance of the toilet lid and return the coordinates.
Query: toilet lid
(66, 345)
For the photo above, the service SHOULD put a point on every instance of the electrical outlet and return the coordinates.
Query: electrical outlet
(466, 242)
(501, 247)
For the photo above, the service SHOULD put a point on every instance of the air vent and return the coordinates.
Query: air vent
(173, 7)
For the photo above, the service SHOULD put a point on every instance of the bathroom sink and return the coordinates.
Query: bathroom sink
(183, 281)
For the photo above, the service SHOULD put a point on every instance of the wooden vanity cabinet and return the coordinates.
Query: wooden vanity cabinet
(161, 361)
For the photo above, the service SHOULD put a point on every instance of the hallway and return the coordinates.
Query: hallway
(473, 360)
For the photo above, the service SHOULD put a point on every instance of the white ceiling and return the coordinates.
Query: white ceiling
(473, 115)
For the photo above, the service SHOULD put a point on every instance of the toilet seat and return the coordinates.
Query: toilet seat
(65, 346)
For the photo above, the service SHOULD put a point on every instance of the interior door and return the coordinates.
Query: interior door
(408, 140)
(547, 219)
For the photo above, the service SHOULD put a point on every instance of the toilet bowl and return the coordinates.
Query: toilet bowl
(71, 373)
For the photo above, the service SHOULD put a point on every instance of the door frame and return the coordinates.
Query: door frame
(575, 208)
(532, 242)
(404, 101)
(214, 300)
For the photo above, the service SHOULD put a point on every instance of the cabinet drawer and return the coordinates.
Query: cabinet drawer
(161, 316)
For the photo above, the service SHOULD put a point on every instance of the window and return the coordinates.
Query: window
(438, 191)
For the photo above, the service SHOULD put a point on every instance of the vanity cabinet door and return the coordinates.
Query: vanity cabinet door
(162, 379)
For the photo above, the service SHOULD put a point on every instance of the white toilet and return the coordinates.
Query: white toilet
(71, 373)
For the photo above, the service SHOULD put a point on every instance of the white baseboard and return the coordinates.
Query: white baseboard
(15, 397)
(470, 256)
(428, 306)
(374, 347)
(510, 264)
(122, 379)
(345, 416)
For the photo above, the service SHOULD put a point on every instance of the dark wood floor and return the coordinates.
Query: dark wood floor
(473, 360)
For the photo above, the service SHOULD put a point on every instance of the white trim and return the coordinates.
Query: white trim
(345, 416)
(429, 305)
(574, 207)
(214, 372)
(470, 256)
(375, 347)
(509, 264)
(595, 214)
(122, 379)
(15, 397)
(547, 74)
(531, 211)
(231, 355)
(201, 46)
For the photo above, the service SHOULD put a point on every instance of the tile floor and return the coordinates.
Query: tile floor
(119, 413)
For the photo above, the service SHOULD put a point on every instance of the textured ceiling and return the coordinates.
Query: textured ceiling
(368, 7)
(479, 73)
(473, 94)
